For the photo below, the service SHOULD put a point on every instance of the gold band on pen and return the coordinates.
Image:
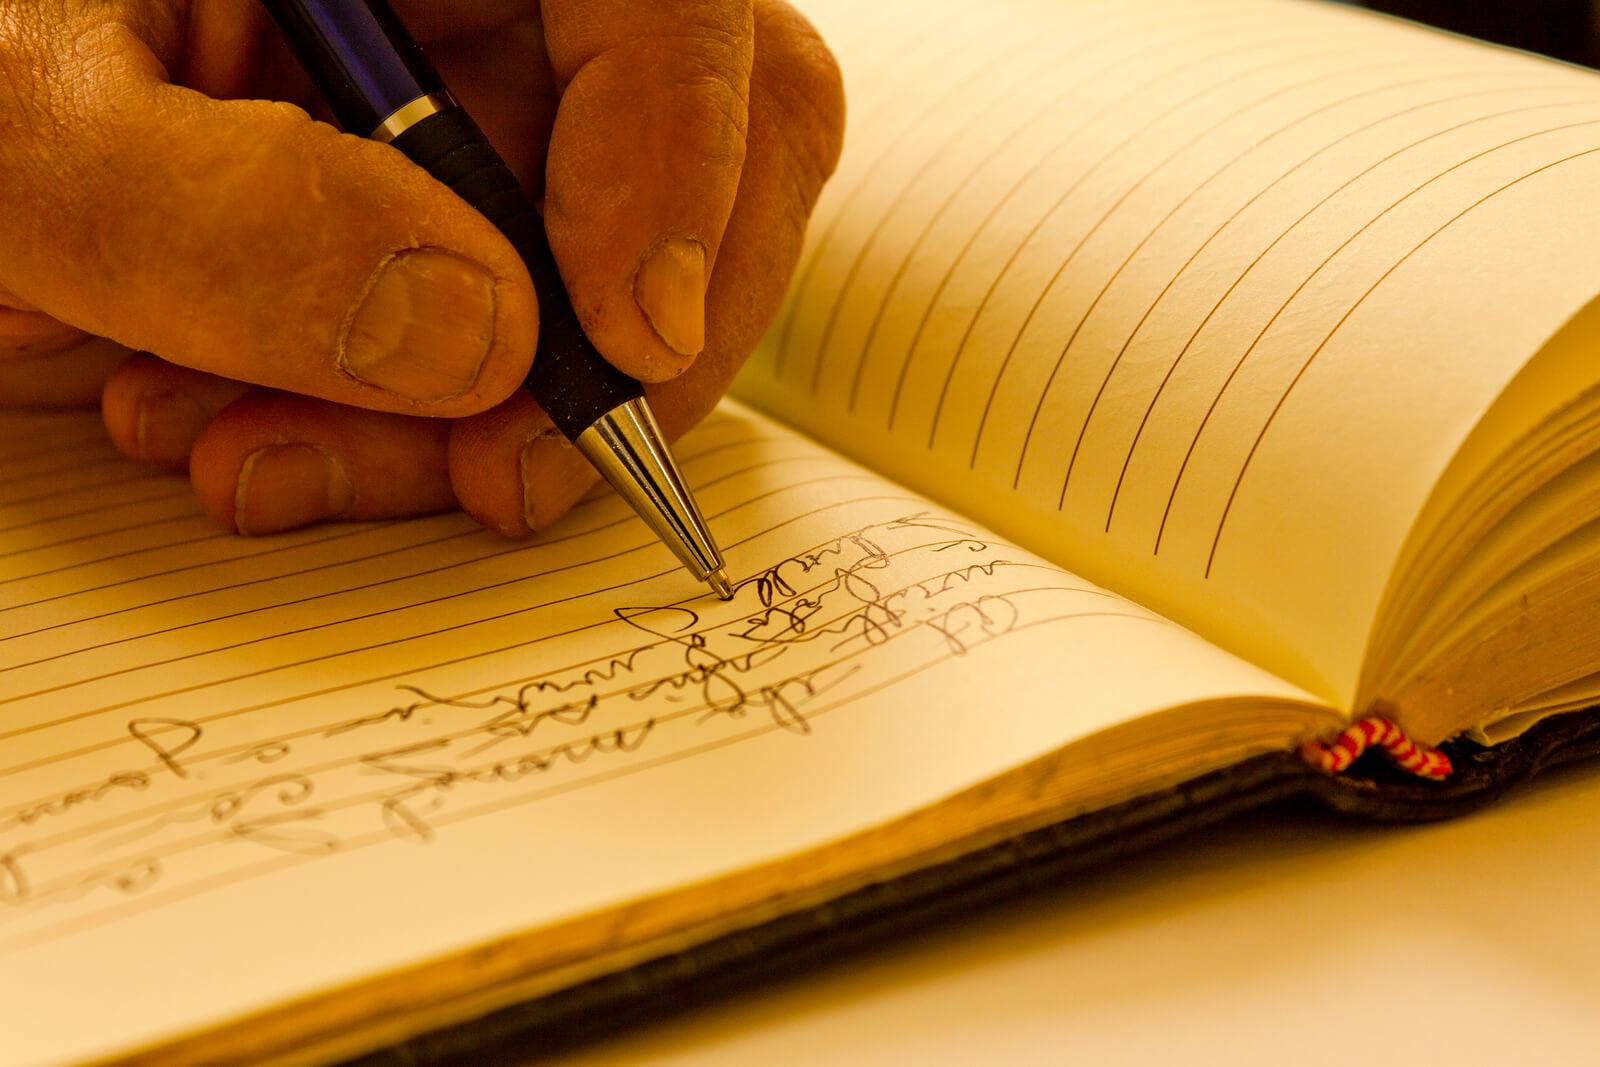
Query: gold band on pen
(408, 116)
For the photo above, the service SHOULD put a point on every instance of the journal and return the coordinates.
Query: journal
(1164, 385)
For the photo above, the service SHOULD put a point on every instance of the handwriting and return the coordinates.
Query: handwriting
(520, 721)
(149, 732)
(13, 882)
(135, 781)
(266, 753)
(16, 887)
(989, 616)
(784, 700)
(518, 703)
(801, 634)
(433, 779)
(281, 829)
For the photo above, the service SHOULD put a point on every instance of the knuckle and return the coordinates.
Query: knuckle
(67, 77)
(57, 67)
(24, 71)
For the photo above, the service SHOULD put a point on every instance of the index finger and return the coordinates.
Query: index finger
(645, 159)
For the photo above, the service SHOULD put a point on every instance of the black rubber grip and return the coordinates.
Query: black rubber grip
(570, 380)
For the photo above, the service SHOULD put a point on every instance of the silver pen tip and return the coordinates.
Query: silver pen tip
(719, 584)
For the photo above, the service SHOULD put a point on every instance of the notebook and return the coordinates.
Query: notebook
(1165, 388)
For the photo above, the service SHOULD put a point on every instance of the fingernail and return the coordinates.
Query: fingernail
(554, 476)
(282, 487)
(167, 425)
(670, 289)
(423, 327)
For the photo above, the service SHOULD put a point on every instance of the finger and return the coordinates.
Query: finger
(644, 165)
(45, 363)
(275, 461)
(58, 373)
(797, 111)
(154, 410)
(510, 469)
(242, 239)
(513, 471)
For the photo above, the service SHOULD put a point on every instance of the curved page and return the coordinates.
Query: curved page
(237, 772)
(1198, 299)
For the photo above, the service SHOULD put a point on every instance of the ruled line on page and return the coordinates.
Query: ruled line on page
(886, 154)
(214, 534)
(87, 437)
(156, 696)
(1300, 288)
(59, 492)
(929, 538)
(1188, 198)
(979, 116)
(890, 290)
(379, 838)
(18, 814)
(99, 509)
(998, 282)
(408, 671)
(1025, 453)
(540, 547)
(1162, 77)
(1286, 232)
(339, 534)
(940, 153)
(1300, 373)
(953, 343)
(335, 534)
(364, 587)
(1001, 202)
(833, 598)
(891, 152)
(70, 465)
(1050, 285)
(187, 514)
(464, 529)
(1156, 395)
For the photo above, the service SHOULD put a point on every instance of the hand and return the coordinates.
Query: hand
(176, 234)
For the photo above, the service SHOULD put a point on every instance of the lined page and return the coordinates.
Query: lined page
(234, 771)
(1198, 298)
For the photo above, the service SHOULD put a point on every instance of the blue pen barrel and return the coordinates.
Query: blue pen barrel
(359, 55)
(368, 68)
(379, 85)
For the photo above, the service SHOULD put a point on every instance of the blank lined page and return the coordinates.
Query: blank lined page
(1198, 298)
(236, 771)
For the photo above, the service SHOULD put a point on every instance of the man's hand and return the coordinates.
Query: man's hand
(171, 241)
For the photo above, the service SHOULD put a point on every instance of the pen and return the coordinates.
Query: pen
(378, 84)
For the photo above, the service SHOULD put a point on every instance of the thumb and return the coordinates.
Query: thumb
(243, 239)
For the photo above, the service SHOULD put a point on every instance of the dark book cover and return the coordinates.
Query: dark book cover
(1371, 790)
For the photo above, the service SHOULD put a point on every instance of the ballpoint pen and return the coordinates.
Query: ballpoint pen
(379, 84)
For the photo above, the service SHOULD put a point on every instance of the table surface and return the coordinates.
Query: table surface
(1284, 938)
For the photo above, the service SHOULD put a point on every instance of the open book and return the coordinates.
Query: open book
(1164, 385)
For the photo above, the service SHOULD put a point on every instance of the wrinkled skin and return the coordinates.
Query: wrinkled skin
(183, 243)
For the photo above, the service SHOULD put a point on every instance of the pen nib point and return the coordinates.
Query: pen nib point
(719, 584)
